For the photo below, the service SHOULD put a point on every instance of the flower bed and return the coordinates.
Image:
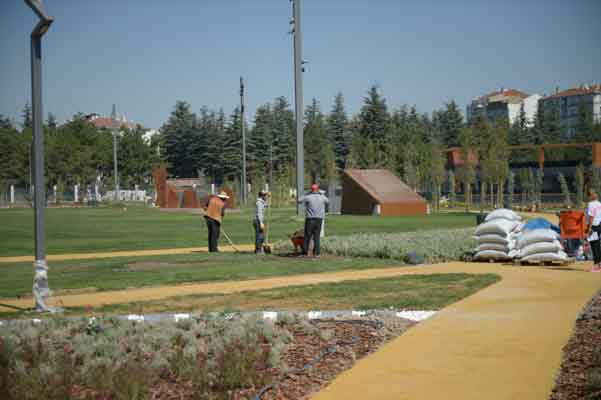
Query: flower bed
(433, 245)
(203, 358)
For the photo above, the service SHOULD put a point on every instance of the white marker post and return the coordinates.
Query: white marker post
(12, 194)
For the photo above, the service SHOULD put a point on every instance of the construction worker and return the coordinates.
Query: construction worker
(259, 221)
(214, 212)
(315, 212)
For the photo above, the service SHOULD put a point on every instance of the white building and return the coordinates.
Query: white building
(569, 102)
(505, 103)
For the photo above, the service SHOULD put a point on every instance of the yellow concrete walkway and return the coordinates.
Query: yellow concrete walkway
(503, 342)
(127, 253)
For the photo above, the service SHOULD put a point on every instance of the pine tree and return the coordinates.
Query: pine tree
(259, 142)
(51, 121)
(374, 117)
(316, 141)
(26, 115)
(283, 135)
(451, 124)
(338, 132)
(5, 122)
(179, 134)
(232, 147)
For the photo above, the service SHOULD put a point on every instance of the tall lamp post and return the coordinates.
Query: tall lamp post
(298, 101)
(40, 281)
(114, 124)
(244, 185)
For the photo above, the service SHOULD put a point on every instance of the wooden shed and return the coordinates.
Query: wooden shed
(379, 192)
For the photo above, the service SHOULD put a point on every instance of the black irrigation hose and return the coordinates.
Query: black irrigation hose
(329, 350)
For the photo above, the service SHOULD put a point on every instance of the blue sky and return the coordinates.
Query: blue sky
(144, 55)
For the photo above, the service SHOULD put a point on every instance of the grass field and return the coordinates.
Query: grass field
(83, 230)
(414, 292)
(122, 272)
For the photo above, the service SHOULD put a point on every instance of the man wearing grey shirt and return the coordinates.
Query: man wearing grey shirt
(259, 221)
(315, 208)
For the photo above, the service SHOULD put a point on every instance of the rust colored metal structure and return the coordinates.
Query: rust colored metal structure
(367, 191)
(183, 193)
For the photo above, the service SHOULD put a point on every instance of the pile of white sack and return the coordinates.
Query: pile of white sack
(497, 235)
(540, 245)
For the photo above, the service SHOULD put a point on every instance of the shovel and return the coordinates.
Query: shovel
(266, 245)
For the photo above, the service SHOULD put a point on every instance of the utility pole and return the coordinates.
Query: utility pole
(298, 101)
(40, 280)
(244, 185)
(114, 123)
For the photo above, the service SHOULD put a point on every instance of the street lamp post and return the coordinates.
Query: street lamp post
(40, 281)
(116, 172)
(244, 185)
(298, 101)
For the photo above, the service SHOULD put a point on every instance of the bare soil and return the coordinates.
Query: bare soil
(580, 374)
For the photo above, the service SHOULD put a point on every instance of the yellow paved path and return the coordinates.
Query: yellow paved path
(127, 253)
(503, 342)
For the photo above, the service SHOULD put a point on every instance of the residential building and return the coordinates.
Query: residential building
(505, 103)
(107, 122)
(569, 102)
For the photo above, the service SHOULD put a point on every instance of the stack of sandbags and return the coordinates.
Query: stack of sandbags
(540, 245)
(497, 234)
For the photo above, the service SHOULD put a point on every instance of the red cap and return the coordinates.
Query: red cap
(315, 188)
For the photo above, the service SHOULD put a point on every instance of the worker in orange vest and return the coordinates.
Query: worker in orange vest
(214, 212)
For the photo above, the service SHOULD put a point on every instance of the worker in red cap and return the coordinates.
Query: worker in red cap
(315, 211)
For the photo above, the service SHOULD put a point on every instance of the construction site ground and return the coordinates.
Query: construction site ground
(504, 342)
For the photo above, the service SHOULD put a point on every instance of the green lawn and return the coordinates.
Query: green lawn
(122, 273)
(82, 230)
(414, 292)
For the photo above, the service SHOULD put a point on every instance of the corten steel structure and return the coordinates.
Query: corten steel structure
(454, 157)
(365, 189)
(40, 281)
(184, 193)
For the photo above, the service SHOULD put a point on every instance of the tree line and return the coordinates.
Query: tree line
(75, 153)
(209, 143)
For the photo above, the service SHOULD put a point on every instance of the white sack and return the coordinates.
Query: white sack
(497, 226)
(541, 247)
(491, 255)
(536, 236)
(493, 238)
(542, 257)
(492, 246)
(503, 213)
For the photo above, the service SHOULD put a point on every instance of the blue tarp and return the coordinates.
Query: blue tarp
(539, 223)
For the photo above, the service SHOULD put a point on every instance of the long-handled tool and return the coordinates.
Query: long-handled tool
(230, 241)
(266, 245)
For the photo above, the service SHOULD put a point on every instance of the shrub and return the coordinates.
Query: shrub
(117, 359)
(433, 245)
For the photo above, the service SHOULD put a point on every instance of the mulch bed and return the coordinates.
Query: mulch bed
(580, 374)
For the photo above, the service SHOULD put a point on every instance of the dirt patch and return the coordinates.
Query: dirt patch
(580, 374)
